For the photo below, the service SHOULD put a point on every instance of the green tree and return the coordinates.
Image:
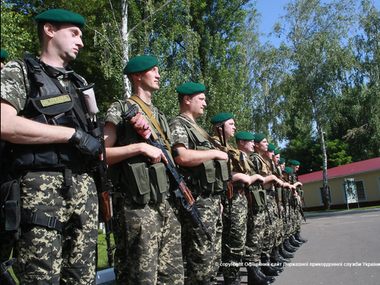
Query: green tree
(317, 55)
(357, 118)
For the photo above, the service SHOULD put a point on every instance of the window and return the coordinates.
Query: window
(320, 195)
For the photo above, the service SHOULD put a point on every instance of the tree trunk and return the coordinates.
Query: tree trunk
(124, 30)
(326, 191)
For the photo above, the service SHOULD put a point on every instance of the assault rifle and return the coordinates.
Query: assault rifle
(182, 193)
(103, 184)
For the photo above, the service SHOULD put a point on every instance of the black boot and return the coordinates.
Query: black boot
(284, 253)
(289, 247)
(299, 238)
(232, 281)
(254, 278)
(277, 258)
(294, 242)
(266, 267)
(271, 279)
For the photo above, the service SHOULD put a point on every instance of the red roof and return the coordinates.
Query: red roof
(343, 170)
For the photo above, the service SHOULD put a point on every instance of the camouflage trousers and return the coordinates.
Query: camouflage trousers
(148, 243)
(272, 227)
(234, 235)
(45, 255)
(202, 255)
(287, 221)
(255, 235)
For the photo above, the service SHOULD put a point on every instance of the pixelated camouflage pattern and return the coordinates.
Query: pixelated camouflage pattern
(148, 244)
(255, 235)
(46, 256)
(272, 224)
(202, 255)
(234, 235)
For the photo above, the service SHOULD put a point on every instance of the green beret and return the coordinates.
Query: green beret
(244, 136)
(282, 160)
(191, 88)
(271, 147)
(276, 151)
(294, 162)
(61, 16)
(288, 169)
(140, 63)
(3, 55)
(259, 137)
(221, 117)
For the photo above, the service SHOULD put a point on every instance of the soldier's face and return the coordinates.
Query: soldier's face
(247, 146)
(149, 80)
(295, 168)
(229, 128)
(282, 166)
(262, 146)
(66, 41)
(197, 103)
(276, 159)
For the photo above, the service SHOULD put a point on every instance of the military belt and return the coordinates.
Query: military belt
(50, 222)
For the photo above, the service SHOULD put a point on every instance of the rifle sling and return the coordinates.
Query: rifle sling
(203, 133)
(149, 114)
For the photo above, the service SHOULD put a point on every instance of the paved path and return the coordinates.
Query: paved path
(342, 248)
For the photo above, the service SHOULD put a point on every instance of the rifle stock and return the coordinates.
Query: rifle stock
(183, 193)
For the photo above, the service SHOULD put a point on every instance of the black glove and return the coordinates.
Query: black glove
(87, 144)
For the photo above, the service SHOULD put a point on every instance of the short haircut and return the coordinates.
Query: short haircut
(40, 28)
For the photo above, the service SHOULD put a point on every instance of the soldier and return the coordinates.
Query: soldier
(147, 231)
(54, 155)
(291, 218)
(256, 213)
(3, 57)
(205, 170)
(295, 165)
(274, 208)
(281, 201)
(264, 167)
(236, 207)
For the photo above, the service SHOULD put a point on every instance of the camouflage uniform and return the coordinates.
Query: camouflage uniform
(271, 218)
(297, 203)
(279, 220)
(57, 254)
(234, 223)
(147, 231)
(256, 217)
(202, 256)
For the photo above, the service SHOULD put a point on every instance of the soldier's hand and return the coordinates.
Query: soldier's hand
(141, 125)
(154, 154)
(87, 144)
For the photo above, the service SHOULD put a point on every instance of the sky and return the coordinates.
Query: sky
(272, 10)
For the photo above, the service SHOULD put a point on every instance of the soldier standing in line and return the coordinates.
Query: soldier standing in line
(235, 208)
(256, 209)
(204, 168)
(273, 208)
(295, 165)
(280, 199)
(263, 167)
(146, 229)
(54, 154)
(289, 198)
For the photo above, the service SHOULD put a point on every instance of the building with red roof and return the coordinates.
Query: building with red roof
(367, 179)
